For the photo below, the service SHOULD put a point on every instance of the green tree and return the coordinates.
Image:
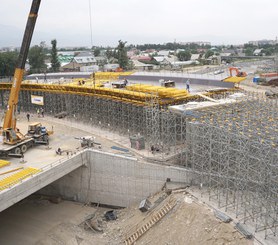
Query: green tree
(36, 59)
(268, 51)
(44, 47)
(55, 64)
(8, 63)
(130, 65)
(109, 53)
(249, 45)
(96, 52)
(209, 53)
(249, 51)
(184, 55)
(121, 55)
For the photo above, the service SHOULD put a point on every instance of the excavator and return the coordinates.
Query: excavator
(14, 142)
(237, 71)
(236, 78)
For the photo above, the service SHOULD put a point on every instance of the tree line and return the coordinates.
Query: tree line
(267, 49)
(172, 46)
(36, 58)
(38, 54)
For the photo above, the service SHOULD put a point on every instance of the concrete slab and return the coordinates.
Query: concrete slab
(198, 83)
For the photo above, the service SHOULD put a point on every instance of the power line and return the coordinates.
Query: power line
(91, 30)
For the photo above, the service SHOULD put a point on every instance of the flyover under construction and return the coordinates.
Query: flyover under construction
(232, 147)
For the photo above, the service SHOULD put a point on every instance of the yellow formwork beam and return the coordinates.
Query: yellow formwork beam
(4, 163)
(160, 91)
(136, 94)
(111, 75)
(17, 177)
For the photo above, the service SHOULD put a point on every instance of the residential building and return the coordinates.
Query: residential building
(85, 58)
(143, 67)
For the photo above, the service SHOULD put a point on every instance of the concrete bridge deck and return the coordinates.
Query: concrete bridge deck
(48, 174)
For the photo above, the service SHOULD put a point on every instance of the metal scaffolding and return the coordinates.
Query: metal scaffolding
(232, 147)
(119, 116)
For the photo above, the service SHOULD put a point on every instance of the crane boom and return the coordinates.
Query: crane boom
(10, 118)
(14, 142)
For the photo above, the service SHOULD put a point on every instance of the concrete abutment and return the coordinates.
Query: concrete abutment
(114, 180)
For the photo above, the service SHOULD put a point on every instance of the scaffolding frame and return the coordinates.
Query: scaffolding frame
(232, 148)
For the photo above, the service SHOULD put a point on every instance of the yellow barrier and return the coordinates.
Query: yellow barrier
(17, 177)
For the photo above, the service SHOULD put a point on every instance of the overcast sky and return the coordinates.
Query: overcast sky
(141, 21)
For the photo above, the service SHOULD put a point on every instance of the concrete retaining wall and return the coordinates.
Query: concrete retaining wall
(114, 180)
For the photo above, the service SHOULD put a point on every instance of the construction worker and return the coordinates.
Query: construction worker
(22, 158)
(59, 151)
(187, 85)
(42, 112)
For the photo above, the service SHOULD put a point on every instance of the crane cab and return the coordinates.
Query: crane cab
(34, 128)
(12, 137)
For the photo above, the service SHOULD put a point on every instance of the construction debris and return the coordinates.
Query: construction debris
(273, 82)
(175, 186)
(145, 205)
(155, 216)
(223, 217)
(271, 93)
(61, 114)
(243, 231)
(110, 215)
(184, 223)
(92, 223)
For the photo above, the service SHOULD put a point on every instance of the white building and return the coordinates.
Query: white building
(110, 67)
(92, 68)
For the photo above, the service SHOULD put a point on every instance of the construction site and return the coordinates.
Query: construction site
(223, 142)
(132, 158)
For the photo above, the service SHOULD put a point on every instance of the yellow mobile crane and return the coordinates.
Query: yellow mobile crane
(14, 142)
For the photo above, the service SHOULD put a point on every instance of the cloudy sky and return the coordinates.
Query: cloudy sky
(140, 21)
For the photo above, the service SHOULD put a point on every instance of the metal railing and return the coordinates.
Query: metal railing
(42, 169)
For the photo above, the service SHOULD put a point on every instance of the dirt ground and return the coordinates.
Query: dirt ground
(38, 221)
(189, 222)
(64, 137)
